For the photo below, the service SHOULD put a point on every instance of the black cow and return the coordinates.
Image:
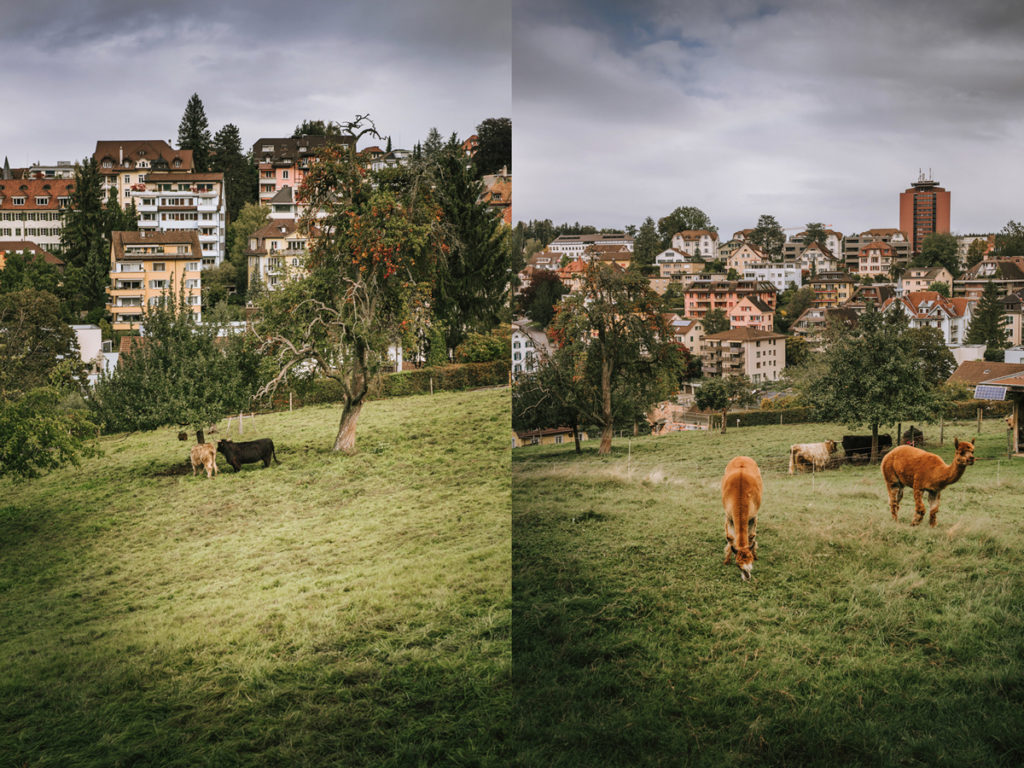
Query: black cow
(857, 447)
(238, 454)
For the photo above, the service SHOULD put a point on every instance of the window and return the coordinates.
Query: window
(284, 174)
(157, 285)
(192, 266)
(177, 163)
(159, 266)
(17, 201)
(42, 201)
(558, 439)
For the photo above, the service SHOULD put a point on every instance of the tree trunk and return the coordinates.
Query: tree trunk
(606, 439)
(346, 440)
(576, 436)
(200, 436)
(725, 414)
(874, 443)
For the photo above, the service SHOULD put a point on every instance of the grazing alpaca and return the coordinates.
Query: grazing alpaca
(922, 471)
(741, 498)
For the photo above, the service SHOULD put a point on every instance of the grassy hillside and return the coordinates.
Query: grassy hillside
(330, 610)
(859, 641)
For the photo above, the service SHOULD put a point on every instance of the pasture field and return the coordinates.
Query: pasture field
(858, 641)
(327, 611)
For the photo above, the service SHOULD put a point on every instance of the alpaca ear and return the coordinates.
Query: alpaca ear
(956, 443)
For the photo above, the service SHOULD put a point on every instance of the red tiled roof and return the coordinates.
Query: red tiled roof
(30, 189)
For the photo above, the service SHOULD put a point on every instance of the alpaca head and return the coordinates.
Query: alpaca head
(745, 560)
(964, 452)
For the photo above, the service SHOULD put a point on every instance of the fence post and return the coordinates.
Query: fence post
(942, 429)
(979, 421)
(431, 385)
(289, 401)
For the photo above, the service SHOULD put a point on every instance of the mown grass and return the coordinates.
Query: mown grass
(859, 641)
(327, 611)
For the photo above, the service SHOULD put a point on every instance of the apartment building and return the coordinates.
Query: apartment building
(875, 259)
(794, 247)
(175, 201)
(746, 256)
(1006, 273)
(702, 295)
(924, 209)
(283, 162)
(697, 242)
(672, 262)
(759, 355)
(30, 209)
(895, 238)
(751, 312)
(832, 288)
(782, 276)
(573, 246)
(124, 163)
(275, 252)
(920, 278)
(146, 266)
(930, 309)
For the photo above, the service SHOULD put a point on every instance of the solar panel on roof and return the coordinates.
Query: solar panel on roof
(989, 392)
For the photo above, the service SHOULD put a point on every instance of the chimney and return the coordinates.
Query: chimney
(120, 155)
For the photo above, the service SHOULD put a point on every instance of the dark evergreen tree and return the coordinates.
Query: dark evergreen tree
(539, 298)
(228, 158)
(646, 245)
(316, 128)
(29, 270)
(194, 133)
(85, 243)
(987, 323)
(769, 236)
(494, 151)
(474, 275)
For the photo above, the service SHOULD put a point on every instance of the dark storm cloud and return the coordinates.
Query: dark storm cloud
(110, 69)
(822, 110)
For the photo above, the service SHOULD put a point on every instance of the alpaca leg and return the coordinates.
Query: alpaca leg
(895, 497)
(729, 539)
(728, 553)
(918, 506)
(753, 536)
(935, 508)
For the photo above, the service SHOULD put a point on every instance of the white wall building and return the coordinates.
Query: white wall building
(780, 275)
(171, 202)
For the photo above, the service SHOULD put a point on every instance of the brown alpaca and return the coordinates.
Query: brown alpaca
(741, 498)
(923, 471)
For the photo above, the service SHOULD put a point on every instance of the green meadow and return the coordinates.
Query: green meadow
(859, 641)
(325, 611)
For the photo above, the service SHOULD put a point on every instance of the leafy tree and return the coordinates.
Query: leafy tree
(178, 374)
(1010, 240)
(240, 174)
(871, 375)
(987, 323)
(646, 245)
(33, 340)
(550, 397)
(933, 356)
(540, 297)
(194, 133)
(716, 394)
(317, 128)
(473, 277)
(485, 347)
(251, 217)
(38, 433)
(680, 220)
(768, 236)
(26, 269)
(791, 304)
(976, 252)
(374, 253)
(433, 144)
(939, 249)
(84, 240)
(797, 351)
(494, 151)
(715, 321)
(617, 341)
(815, 233)
(715, 267)
(940, 287)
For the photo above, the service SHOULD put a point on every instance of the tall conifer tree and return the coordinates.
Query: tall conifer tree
(194, 133)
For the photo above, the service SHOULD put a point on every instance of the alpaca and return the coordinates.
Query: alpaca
(741, 498)
(923, 471)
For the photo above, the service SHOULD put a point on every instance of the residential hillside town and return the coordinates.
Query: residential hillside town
(765, 298)
(208, 220)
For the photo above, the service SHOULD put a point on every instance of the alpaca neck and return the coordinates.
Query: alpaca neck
(953, 472)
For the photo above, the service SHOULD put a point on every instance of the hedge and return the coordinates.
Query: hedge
(991, 409)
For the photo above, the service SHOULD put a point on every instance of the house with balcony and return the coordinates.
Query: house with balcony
(814, 321)
(175, 201)
(30, 210)
(832, 289)
(930, 309)
(894, 238)
(276, 252)
(875, 259)
(702, 295)
(124, 163)
(1013, 310)
(745, 257)
(1006, 272)
(782, 276)
(794, 247)
(283, 162)
(759, 355)
(818, 258)
(147, 266)
(674, 263)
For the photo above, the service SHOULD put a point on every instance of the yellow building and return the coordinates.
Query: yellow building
(124, 163)
(276, 250)
(145, 265)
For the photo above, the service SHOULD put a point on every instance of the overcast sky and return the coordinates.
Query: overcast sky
(809, 110)
(82, 70)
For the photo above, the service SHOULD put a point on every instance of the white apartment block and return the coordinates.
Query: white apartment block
(782, 276)
(573, 246)
(30, 210)
(171, 202)
(697, 242)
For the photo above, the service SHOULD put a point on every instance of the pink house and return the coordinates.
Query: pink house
(751, 312)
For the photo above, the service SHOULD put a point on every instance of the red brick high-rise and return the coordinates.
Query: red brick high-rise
(924, 208)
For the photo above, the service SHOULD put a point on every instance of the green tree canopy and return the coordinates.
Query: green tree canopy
(25, 269)
(768, 236)
(240, 173)
(615, 336)
(717, 394)
(715, 321)
(494, 151)
(871, 375)
(681, 219)
(38, 433)
(1010, 240)
(33, 340)
(939, 249)
(251, 217)
(539, 299)
(976, 252)
(646, 245)
(940, 288)
(815, 233)
(316, 128)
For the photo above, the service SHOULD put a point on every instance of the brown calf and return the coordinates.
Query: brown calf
(204, 455)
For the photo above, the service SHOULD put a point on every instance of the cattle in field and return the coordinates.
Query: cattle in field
(237, 454)
(923, 471)
(741, 499)
(913, 436)
(858, 447)
(204, 455)
(817, 455)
